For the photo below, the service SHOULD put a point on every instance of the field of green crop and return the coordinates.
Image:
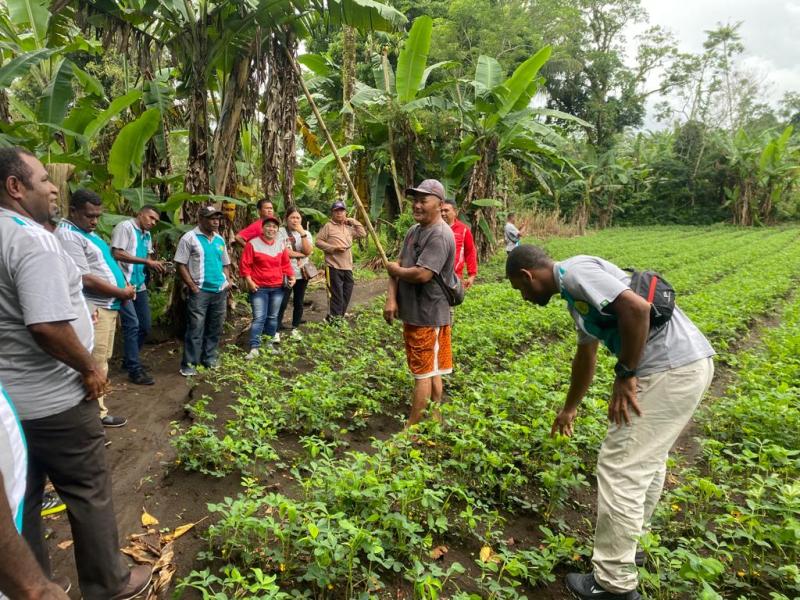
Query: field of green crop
(439, 514)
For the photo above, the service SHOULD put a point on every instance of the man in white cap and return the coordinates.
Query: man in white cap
(335, 239)
(203, 264)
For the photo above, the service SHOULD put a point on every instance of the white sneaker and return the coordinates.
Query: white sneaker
(296, 334)
(276, 339)
(273, 348)
(252, 354)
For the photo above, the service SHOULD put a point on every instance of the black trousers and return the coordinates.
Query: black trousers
(69, 448)
(340, 289)
(298, 293)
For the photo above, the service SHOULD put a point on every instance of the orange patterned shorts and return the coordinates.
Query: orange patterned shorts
(428, 350)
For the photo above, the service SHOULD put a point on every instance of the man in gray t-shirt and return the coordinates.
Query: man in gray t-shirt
(49, 373)
(416, 296)
(661, 376)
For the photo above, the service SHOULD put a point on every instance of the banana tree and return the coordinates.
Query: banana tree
(499, 124)
(390, 110)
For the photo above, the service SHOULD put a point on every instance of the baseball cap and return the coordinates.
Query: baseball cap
(209, 211)
(430, 186)
(337, 205)
(270, 219)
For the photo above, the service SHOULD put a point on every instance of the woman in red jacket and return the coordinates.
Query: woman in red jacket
(264, 263)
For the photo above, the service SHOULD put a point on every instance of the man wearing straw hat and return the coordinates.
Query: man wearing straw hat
(417, 299)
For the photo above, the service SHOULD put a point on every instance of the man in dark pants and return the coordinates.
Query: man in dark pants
(48, 370)
(335, 239)
(203, 263)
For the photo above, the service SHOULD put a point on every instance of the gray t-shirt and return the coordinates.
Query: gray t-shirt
(511, 235)
(434, 248)
(39, 283)
(590, 284)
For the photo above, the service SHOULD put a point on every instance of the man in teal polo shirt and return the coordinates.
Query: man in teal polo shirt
(132, 246)
(104, 284)
(203, 264)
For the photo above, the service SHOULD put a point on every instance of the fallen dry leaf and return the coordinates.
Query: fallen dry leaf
(148, 519)
(486, 554)
(438, 552)
(179, 531)
(65, 544)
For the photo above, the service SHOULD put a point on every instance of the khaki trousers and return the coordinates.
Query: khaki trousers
(104, 331)
(632, 465)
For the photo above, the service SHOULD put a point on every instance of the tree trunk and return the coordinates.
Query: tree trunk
(60, 174)
(481, 185)
(278, 132)
(390, 131)
(348, 118)
(226, 136)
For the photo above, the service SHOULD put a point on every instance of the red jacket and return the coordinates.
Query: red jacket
(465, 250)
(265, 263)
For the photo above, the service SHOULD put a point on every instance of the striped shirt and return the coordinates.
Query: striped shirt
(130, 238)
(205, 259)
(93, 257)
(13, 457)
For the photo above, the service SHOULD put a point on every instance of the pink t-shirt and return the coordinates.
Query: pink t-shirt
(252, 231)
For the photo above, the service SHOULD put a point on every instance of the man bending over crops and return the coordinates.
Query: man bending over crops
(419, 301)
(661, 375)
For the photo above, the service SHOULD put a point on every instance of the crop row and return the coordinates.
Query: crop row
(363, 515)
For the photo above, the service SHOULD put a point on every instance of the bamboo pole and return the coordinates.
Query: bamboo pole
(338, 158)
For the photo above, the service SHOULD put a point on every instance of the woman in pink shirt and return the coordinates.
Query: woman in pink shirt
(264, 264)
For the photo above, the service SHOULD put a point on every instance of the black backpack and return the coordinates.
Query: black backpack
(658, 292)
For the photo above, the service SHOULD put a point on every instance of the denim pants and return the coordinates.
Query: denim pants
(266, 304)
(135, 317)
(205, 316)
(298, 293)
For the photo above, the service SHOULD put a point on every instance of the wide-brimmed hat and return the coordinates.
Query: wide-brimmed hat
(431, 187)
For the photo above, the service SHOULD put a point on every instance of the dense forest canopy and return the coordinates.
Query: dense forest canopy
(525, 105)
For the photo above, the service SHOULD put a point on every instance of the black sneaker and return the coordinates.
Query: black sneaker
(584, 587)
(109, 421)
(141, 378)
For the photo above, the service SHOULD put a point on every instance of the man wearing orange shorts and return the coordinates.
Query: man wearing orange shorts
(416, 295)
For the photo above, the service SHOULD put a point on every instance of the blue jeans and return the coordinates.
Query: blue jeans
(135, 316)
(266, 304)
(205, 315)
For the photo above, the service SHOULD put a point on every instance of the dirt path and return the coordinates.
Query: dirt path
(143, 462)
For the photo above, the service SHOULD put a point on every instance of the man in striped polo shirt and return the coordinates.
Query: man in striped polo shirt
(132, 246)
(53, 381)
(104, 283)
(204, 266)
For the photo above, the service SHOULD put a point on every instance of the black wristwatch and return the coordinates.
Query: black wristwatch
(623, 372)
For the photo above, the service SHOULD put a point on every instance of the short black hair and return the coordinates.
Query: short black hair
(526, 256)
(82, 197)
(262, 202)
(451, 202)
(12, 165)
(511, 214)
(149, 207)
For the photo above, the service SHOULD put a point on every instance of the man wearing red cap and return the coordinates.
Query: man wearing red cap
(416, 296)
(335, 239)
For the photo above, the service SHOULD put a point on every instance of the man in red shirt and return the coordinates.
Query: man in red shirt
(254, 230)
(466, 255)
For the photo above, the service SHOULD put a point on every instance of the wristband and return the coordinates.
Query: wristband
(623, 372)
